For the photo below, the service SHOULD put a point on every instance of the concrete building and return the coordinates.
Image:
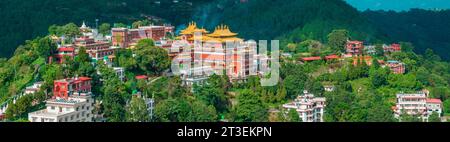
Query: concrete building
(33, 88)
(65, 87)
(309, 108)
(396, 67)
(124, 37)
(417, 104)
(355, 47)
(76, 108)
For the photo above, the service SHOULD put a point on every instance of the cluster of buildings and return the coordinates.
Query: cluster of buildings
(417, 104)
(309, 108)
(72, 102)
(361, 54)
(356, 48)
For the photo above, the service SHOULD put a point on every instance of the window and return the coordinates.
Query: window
(53, 108)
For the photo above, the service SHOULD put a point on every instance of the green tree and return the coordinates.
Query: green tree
(137, 110)
(409, 118)
(293, 116)
(151, 59)
(447, 106)
(250, 108)
(105, 28)
(434, 117)
(337, 39)
(20, 108)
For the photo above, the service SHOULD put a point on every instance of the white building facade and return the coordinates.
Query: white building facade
(309, 108)
(417, 104)
(77, 108)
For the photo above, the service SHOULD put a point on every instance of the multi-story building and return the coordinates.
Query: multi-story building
(97, 50)
(75, 108)
(309, 108)
(220, 52)
(370, 49)
(396, 67)
(355, 47)
(417, 104)
(125, 38)
(65, 87)
(392, 48)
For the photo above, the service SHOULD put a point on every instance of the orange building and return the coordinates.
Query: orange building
(359, 60)
(218, 52)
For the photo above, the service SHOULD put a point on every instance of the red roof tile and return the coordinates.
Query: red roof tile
(67, 49)
(434, 101)
(332, 57)
(141, 77)
(311, 58)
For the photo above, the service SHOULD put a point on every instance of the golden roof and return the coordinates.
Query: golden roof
(222, 31)
(192, 28)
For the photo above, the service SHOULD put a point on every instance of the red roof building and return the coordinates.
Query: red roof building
(316, 58)
(392, 48)
(68, 50)
(65, 87)
(355, 47)
(434, 101)
(396, 67)
(139, 77)
(124, 37)
(332, 57)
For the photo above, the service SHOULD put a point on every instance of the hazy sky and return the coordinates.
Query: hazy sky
(399, 5)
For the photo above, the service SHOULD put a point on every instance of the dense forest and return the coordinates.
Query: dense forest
(23, 20)
(424, 28)
(269, 19)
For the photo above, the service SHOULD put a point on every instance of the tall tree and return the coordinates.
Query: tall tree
(105, 28)
(151, 59)
(337, 39)
(250, 108)
(293, 116)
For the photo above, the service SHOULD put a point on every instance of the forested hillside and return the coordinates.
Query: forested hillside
(23, 20)
(424, 28)
(295, 20)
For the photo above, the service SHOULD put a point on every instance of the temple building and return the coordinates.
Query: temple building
(355, 47)
(220, 52)
(128, 38)
(309, 108)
